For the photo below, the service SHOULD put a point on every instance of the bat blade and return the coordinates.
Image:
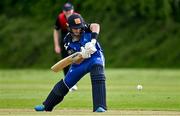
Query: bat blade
(66, 61)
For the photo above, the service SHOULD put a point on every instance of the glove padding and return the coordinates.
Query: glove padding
(88, 49)
(90, 46)
(85, 53)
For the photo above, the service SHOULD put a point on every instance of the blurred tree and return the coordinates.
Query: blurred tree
(141, 33)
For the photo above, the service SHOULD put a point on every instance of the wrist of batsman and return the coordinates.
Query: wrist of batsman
(94, 35)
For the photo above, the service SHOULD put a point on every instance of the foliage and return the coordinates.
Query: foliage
(141, 33)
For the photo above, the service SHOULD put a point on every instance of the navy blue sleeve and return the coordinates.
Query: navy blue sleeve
(67, 41)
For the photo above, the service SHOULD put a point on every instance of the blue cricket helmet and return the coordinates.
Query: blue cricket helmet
(75, 21)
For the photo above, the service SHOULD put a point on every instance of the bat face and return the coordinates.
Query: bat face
(76, 57)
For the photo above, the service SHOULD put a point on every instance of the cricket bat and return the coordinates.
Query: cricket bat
(66, 61)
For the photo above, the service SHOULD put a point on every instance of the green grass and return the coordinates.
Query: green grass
(23, 89)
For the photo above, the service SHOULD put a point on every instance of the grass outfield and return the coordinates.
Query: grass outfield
(23, 89)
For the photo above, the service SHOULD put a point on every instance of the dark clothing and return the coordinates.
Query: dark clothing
(63, 51)
(61, 24)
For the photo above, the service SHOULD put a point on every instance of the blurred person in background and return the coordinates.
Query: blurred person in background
(82, 37)
(60, 31)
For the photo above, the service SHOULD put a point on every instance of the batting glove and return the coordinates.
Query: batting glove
(90, 46)
(85, 53)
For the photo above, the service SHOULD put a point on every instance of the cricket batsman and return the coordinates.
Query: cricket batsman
(82, 37)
